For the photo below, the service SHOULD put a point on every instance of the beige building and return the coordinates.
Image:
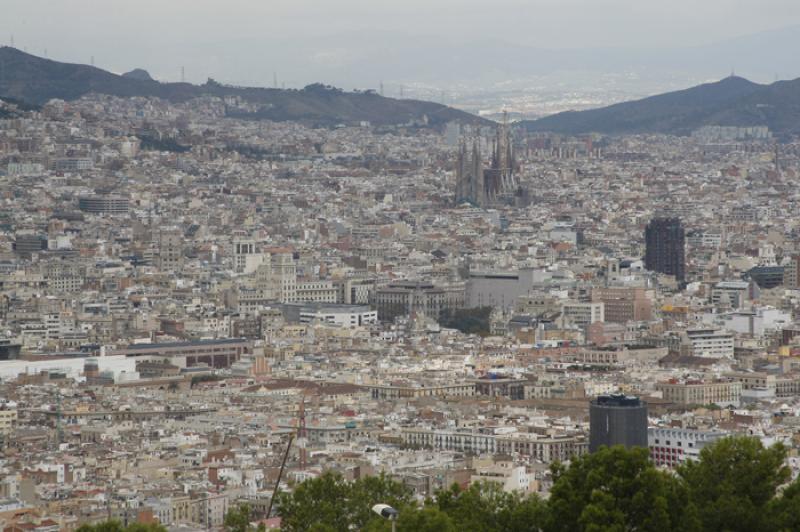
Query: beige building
(791, 275)
(466, 389)
(543, 448)
(624, 304)
(316, 292)
(786, 386)
(8, 421)
(402, 298)
(722, 392)
(170, 249)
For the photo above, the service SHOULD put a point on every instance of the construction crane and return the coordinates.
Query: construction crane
(59, 425)
(301, 433)
(301, 443)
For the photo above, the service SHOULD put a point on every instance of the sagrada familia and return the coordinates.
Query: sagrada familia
(481, 186)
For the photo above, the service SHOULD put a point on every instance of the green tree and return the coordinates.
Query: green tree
(734, 481)
(116, 526)
(528, 513)
(427, 519)
(239, 519)
(316, 501)
(369, 491)
(617, 489)
(485, 506)
(320, 527)
(784, 511)
(145, 527)
(333, 502)
(416, 519)
(105, 526)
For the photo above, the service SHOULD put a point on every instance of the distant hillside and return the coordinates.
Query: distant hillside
(36, 80)
(733, 101)
(12, 108)
(138, 73)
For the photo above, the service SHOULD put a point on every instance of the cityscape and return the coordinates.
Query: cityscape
(245, 309)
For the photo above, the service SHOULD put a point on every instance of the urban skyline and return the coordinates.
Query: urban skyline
(417, 304)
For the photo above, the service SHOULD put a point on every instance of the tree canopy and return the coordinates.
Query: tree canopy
(736, 484)
(618, 489)
(116, 526)
(239, 519)
(330, 502)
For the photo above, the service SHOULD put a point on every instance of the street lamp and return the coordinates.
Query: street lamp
(387, 512)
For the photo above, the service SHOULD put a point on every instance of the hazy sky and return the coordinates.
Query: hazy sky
(161, 34)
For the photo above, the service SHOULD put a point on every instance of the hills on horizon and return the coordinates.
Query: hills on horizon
(733, 101)
(35, 80)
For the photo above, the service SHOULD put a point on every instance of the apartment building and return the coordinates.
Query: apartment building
(671, 446)
(699, 392)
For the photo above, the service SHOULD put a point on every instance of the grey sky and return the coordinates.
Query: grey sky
(161, 34)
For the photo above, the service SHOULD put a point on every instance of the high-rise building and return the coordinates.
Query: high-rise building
(617, 420)
(664, 238)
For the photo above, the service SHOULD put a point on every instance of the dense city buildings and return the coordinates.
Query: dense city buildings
(186, 292)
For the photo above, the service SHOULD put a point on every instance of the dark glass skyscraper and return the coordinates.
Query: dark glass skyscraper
(617, 420)
(664, 238)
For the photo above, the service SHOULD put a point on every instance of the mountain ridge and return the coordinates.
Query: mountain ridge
(732, 101)
(35, 80)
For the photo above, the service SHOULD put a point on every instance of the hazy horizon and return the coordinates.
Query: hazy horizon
(347, 43)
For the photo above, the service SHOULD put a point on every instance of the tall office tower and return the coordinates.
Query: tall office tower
(664, 238)
(617, 420)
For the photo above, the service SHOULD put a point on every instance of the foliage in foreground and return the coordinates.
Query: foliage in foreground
(735, 486)
(117, 526)
(239, 519)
